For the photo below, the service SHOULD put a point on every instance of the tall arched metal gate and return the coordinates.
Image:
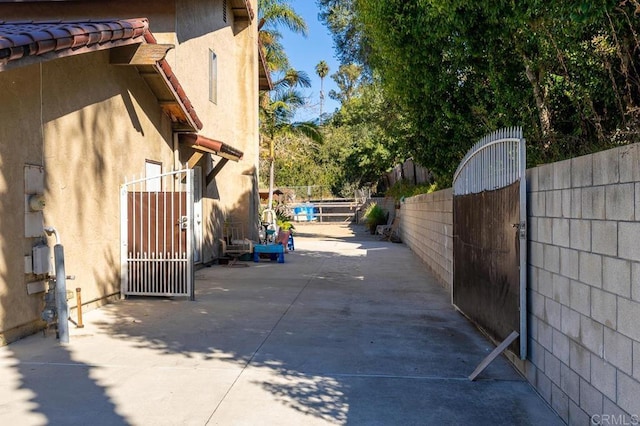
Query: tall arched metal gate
(489, 224)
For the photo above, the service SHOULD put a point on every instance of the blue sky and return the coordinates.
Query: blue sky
(305, 53)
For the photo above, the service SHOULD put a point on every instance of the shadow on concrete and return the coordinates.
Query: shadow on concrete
(356, 334)
(58, 389)
(350, 330)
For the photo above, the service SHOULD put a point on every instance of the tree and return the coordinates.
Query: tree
(371, 134)
(341, 18)
(322, 69)
(274, 14)
(347, 79)
(277, 108)
(458, 69)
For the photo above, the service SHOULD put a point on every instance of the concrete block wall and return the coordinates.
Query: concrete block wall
(583, 280)
(426, 227)
(584, 285)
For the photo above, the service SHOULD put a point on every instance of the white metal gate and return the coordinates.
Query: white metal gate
(490, 246)
(156, 235)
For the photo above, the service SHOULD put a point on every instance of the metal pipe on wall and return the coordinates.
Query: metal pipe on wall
(61, 287)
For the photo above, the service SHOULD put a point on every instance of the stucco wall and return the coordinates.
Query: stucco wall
(20, 144)
(161, 14)
(583, 281)
(233, 117)
(90, 125)
(194, 27)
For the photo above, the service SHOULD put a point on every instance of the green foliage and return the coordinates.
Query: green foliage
(370, 133)
(358, 144)
(347, 79)
(405, 189)
(322, 69)
(455, 70)
(285, 225)
(374, 215)
(283, 220)
(274, 14)
(341, 19)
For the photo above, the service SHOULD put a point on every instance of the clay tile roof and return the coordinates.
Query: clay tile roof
(210, 145)
(19, 39)
(23, 39)
(175, 84)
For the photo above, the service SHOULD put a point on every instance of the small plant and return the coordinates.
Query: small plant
(285, 225)
(283, 219)
(404, 189)
(374, 215)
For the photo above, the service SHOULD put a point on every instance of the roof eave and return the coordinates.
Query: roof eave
(211, 146)
(25, 43)
(264, 76)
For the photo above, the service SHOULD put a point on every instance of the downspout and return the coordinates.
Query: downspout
(42, 115)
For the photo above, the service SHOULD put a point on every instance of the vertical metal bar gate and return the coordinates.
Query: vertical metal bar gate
(156, 235)
(490, 241)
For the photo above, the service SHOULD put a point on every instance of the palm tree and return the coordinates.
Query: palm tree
(322, 69)
(274, 14)
(277, 107)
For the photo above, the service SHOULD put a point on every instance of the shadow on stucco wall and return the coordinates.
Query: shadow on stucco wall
(87, 144)
(243, 211)
(87, 151)
(114, 130)
(77, 172)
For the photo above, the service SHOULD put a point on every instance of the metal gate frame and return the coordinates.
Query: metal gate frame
(159, 272)
(494, 162)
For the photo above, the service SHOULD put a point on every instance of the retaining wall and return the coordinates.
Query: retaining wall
(583, 280)
(426, 226)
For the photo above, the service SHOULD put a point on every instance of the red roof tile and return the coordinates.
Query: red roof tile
(166, 70)
(22, 39)
(220, 148)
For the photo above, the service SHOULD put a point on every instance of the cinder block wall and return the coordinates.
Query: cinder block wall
(426, 227)
(583, 279)
(584, 284)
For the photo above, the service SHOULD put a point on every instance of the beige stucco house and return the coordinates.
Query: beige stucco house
(93, 94)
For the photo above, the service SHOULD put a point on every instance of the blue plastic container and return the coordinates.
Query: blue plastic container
(310, 212)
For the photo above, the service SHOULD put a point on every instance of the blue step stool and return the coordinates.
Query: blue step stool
(272, 249)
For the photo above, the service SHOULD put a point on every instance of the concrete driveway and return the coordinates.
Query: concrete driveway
(349, 330)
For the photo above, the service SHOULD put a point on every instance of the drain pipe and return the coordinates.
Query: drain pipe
(61, 287)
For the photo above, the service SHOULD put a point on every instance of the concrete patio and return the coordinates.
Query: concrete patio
(349, 330)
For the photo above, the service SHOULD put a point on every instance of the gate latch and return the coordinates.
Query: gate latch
(184, 222)
(522, 229)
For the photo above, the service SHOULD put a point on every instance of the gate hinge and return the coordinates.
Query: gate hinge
(522, 229)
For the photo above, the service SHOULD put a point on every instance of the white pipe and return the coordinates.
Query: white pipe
(51, 230)
(61, 287)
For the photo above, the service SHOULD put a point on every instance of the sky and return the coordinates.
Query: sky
(305, 53)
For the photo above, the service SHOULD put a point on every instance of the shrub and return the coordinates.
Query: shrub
(404, 189)
(374, 215)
